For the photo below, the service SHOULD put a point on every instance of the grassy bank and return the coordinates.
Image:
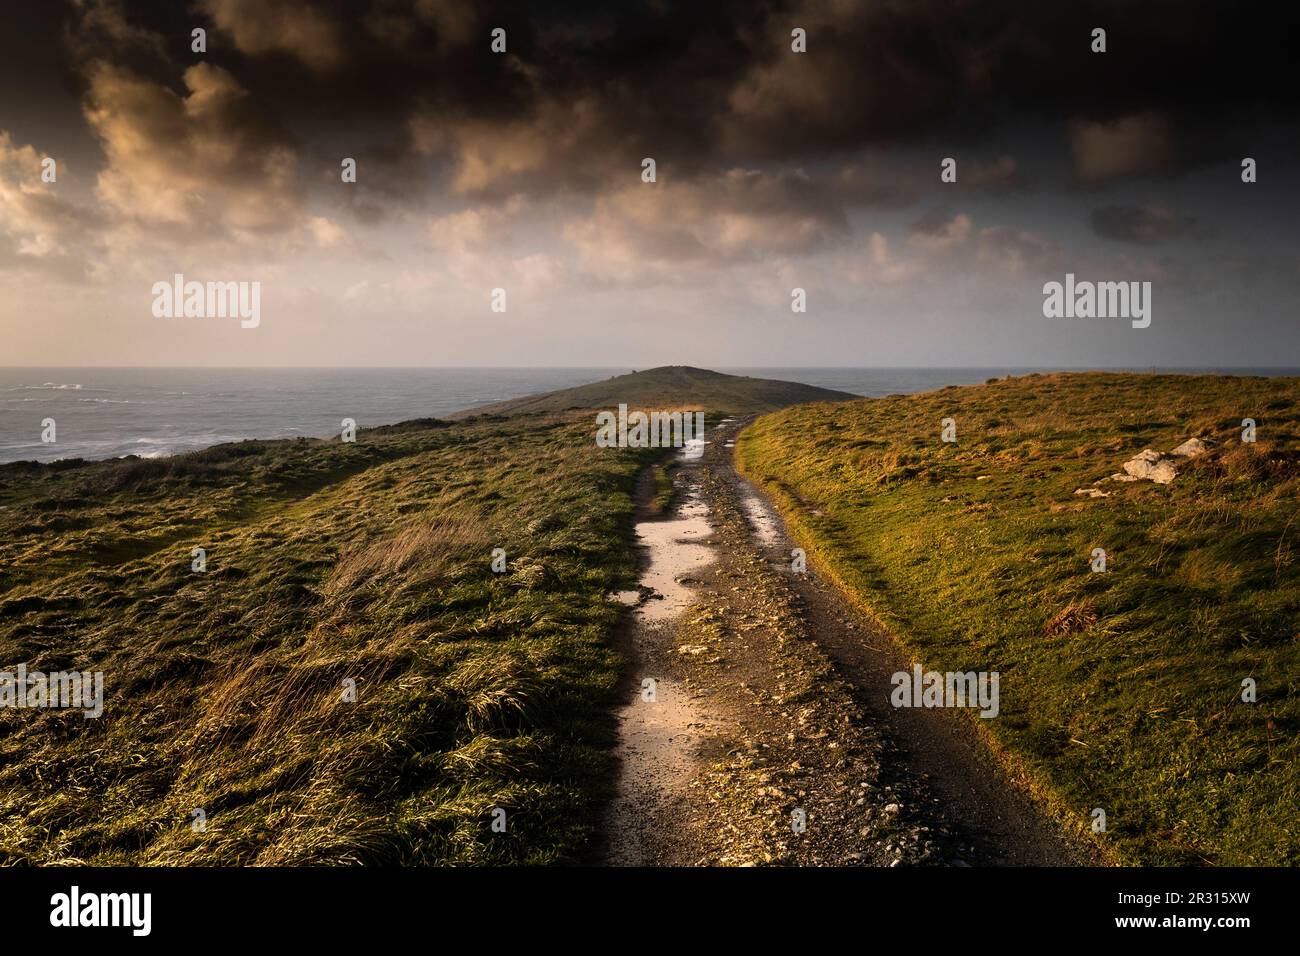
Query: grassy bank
(327, 562)
(1120, 690)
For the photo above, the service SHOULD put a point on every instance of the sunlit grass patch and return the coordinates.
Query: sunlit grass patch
(1121, 690)
(332, 568)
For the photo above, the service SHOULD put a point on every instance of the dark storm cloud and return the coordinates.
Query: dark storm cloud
(885, 69)
(698, 84)
(775, 170)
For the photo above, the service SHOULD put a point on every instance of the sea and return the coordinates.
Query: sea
(152, 412)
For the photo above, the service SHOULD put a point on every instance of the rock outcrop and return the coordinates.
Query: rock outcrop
(1149, 465)
(1152, 465)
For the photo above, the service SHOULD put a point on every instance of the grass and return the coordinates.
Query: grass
(327, 563)
(331, 567)
(1120, 690)
(664, 490)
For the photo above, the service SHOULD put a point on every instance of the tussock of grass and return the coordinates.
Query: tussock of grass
(1119, 690)
(1074, 618)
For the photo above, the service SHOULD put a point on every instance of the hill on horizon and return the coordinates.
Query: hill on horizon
(669, 386)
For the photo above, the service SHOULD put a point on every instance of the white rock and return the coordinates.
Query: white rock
(1153, 466)
(1193, 448)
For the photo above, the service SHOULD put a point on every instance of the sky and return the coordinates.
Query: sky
(775, 169)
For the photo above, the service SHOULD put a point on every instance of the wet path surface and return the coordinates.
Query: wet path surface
(675, 547)
(662, 726)
(756, 727)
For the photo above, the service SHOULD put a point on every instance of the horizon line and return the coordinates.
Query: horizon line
(603, 368)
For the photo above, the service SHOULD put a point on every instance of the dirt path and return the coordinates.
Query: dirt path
(757, 728)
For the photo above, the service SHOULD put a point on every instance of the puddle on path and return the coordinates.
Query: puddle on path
(659, 746)
(675, 548)
(660, 740)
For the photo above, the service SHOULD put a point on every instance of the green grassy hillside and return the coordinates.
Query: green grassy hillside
(1120, 690)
